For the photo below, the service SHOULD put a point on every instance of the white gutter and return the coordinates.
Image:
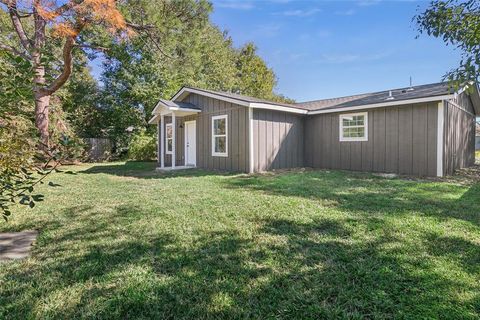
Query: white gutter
(384, 104)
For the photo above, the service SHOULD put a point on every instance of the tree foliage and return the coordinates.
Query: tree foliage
(457, 23)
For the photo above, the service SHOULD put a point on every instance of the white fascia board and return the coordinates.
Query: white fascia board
(155, 110)
(154, 119)
(275, 107)
(385, 104)
(210, 95)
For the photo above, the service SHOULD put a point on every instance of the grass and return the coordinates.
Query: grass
(120, 241)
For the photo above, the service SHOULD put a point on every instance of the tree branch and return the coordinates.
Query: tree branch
(17, 24)
(67, 67)
(14, 51)
(67, 6)
(93, 47)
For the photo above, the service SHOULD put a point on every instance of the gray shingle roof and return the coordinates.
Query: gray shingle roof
(401, 94)
(247, 98)
(177, 104)
(422, 91)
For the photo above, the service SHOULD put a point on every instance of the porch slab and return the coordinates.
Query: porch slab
(166, 169)
(16, 245)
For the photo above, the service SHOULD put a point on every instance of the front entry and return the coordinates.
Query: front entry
(190, 143)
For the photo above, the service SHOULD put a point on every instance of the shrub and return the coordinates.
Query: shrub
(142, 147)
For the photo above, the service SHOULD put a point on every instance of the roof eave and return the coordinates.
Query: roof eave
(383, 104)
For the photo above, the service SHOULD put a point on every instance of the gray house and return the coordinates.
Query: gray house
(426, 130)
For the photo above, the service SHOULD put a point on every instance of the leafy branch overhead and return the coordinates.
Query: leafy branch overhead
(457, 23)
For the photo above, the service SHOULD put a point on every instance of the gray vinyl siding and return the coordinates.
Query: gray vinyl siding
(459, 134)
(401, 140)
(238, 142)
(277, 140)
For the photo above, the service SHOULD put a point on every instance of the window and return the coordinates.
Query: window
(354, 127)
(169, 138)
(220, 136)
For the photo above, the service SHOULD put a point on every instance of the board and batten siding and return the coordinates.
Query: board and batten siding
(277, 140)
(459, 133)
(238, 142)
(401, 140)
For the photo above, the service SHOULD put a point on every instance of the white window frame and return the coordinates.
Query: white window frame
(220, 154)
(167, 138)
(365, 125)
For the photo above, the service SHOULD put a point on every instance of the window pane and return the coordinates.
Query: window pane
(169, 144)
(358, 132)
(220, 144)
(353, 121)
(169, 132)
(219, 126)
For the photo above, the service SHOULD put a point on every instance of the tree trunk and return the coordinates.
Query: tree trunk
(42, 102)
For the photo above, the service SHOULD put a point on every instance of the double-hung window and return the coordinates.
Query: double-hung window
(220, 136)
(169, 138)
(354, 127)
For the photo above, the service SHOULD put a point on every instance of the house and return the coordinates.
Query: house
(426, 130)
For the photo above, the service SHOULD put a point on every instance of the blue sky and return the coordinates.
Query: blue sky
(322, 49)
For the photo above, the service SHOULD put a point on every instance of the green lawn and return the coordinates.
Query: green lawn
(120, 241)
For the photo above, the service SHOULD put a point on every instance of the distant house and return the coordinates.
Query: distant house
(426, 130)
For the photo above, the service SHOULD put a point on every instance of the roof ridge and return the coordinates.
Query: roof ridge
(371, 93)
(246, 98)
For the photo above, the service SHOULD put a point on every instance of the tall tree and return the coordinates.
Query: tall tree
(39, 26)
(458, 24)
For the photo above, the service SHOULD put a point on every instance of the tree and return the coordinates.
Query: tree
(21, 166)
(458, 24)
(37, 26)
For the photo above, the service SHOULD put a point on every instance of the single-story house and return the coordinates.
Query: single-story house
(426, 130)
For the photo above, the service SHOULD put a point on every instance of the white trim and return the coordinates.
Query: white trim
(250, 140)
(162, 141)
(210, 95)
(454, 104)
(384, 104)
(440, 128)
(276, 107)
(174, 139)
(220, 154)
(256, 105)
(169, 108)
(185, 141)
(365, 126)
(166, 138)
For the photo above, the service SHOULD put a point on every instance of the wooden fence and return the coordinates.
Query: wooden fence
(98, 148)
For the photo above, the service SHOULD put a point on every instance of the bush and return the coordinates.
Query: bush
(142, 147)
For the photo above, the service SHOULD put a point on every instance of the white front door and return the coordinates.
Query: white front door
(190, 143)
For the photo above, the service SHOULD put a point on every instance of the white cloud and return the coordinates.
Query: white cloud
(236, 5)
(267, 30)
(349, 12)
(300, 12)
(365, 3)
(333, 58)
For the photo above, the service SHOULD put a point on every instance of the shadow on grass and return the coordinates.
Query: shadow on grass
(146, 170)
(106, 269)
(365, 193)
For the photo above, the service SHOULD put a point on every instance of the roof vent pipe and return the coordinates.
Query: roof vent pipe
(390, 95)
(411, 87)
